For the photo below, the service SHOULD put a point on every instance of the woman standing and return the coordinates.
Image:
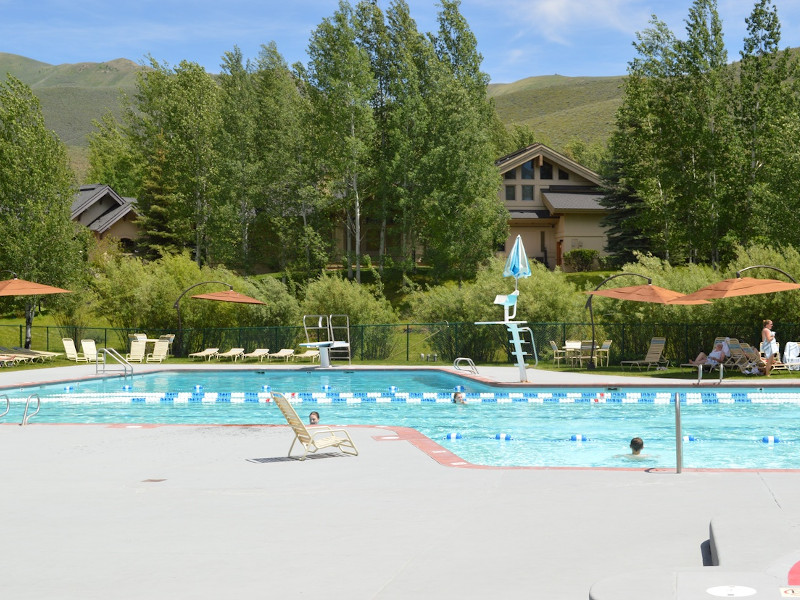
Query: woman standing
(769, 347)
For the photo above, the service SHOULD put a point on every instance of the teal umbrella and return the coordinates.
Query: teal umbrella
(517, 264)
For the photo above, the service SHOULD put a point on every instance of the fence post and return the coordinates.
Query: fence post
(408, 340)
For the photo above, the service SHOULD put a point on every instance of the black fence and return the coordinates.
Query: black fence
(415, 342)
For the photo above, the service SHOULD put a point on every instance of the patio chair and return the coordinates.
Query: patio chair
(284, 353)
(46, 354)
(312, 355)
(791, 356)
(89, 349)
(160, 351)
(208, 353)
(318, 437)
(738, 359)
(258, 353)
(558, 353)
(603, 351)
(585, 352)
(233, 353)
(137, 351)
(653, 358)
(71, 352)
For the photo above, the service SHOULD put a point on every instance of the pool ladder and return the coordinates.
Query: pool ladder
(457, 365)
(106, 352)
(27, 416)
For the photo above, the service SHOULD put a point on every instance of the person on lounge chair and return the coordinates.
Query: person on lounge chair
(713, 358)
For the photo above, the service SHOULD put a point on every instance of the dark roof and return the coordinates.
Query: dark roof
(104, 223)
(88, 195)
(571, 201)
(531, 214)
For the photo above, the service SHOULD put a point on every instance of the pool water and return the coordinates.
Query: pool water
(500, 427)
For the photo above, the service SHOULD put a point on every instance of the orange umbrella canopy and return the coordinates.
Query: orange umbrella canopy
(646, 293)
(742, 286)
(229, 296)
(20, 287)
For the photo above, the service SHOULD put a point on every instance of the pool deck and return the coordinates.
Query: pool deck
(132, 512)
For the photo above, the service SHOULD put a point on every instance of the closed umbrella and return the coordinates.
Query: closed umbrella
(517, 263)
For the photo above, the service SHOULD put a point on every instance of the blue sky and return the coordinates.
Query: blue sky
(518, 38)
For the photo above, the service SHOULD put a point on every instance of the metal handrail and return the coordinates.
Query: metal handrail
(533, 345)
(25, 415)
(462, 359)
(117, 357)
(8, 405)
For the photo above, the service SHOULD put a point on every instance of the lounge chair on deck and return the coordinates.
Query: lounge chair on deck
(284, 353)
(137, 351)
(89, 350)
(233, 353)
(23, 354)
(259, 353)
(160, 351)
(653, 358)
(71, 352)
(312, 355)
(208, 353)
(316, 438)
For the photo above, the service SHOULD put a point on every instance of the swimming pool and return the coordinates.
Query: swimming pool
(503, 426)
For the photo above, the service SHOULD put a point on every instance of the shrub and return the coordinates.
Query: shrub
(581, 259)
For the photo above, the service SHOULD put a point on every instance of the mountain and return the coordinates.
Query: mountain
(557, 108)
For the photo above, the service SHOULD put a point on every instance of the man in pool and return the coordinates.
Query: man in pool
(313, 418)
(636, 446)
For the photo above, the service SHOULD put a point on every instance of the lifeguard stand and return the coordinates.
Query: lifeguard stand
(329, 328)
(509, 304)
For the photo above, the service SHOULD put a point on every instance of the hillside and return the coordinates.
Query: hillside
(557, 108)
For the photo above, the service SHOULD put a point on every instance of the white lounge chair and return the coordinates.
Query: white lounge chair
(653, 358)
(233, 353)
(284, 353)
(318, 438)
(208, 353)
(312, 355)
(72, 352)
(137, 351)
(259, 353)
(89, 349)
(160, 351)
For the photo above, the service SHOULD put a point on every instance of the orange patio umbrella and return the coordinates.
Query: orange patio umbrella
(20, 287)
(742, 286)
(647, 293)
(228, 296)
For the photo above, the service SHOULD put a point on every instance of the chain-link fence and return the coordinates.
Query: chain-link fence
(414, 342)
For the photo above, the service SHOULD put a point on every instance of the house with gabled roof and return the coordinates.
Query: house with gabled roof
(106, 213)
(553, 202)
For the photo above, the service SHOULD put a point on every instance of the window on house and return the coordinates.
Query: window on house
(546, 171)
(512, 174)
(562, 174)
(527, 192)
(511, 192)
(527, 170)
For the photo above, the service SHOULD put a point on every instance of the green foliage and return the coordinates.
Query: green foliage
(138, 295)
(38, 241)
(331, 294)
(581, 259)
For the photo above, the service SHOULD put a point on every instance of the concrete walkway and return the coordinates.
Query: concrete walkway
(98, 511)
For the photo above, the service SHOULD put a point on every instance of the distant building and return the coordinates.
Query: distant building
(106, 213)
(554, 204)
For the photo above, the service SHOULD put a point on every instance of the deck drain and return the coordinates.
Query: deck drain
(152, 480)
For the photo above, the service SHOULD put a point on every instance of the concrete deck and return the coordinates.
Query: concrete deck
(98, 511)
